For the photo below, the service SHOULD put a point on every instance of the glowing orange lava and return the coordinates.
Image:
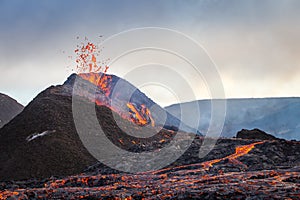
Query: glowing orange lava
(188, 181)
(141, 116)
(89, 68)
(93, 71)
(239, 151)
(101, 80)
(86, 58)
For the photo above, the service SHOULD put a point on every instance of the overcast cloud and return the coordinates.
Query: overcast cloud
(255, 43)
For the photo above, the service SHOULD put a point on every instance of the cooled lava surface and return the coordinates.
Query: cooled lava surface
(241, 169)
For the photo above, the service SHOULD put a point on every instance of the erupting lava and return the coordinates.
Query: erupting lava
(86, 58)
(101, 80)
(140, 116)
(91, 70)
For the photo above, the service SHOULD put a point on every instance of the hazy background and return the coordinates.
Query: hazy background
(255, 43)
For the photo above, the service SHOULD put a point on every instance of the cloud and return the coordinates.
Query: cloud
(255, 43)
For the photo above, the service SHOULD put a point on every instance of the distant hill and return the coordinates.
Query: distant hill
(9, 108)
(277, 116)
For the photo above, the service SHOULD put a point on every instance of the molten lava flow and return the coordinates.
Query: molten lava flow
(140, 116)
(239, 151)
(91, 70)
(184, 182)
(102, 81)
(266, 184)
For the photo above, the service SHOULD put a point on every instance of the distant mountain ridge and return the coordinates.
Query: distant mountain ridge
(9, 108)
(277, 116)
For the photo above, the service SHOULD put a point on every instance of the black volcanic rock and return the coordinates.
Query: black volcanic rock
(269, 171)
(58, 153)
(55, 147)
(9, 108)
(255, 134)
(42, 141)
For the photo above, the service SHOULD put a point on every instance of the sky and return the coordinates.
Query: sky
(255, 44)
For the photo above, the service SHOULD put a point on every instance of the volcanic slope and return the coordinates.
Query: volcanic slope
(42, 141)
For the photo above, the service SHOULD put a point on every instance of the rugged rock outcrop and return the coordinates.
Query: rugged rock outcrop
(255, 134)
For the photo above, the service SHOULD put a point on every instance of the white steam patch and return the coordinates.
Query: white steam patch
(36, 135)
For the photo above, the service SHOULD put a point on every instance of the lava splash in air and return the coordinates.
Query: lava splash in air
(91, 69)
(87, 61)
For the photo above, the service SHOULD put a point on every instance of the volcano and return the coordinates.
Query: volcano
(43, 157)
(42, 140)
(125, 99)
(9, 108)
